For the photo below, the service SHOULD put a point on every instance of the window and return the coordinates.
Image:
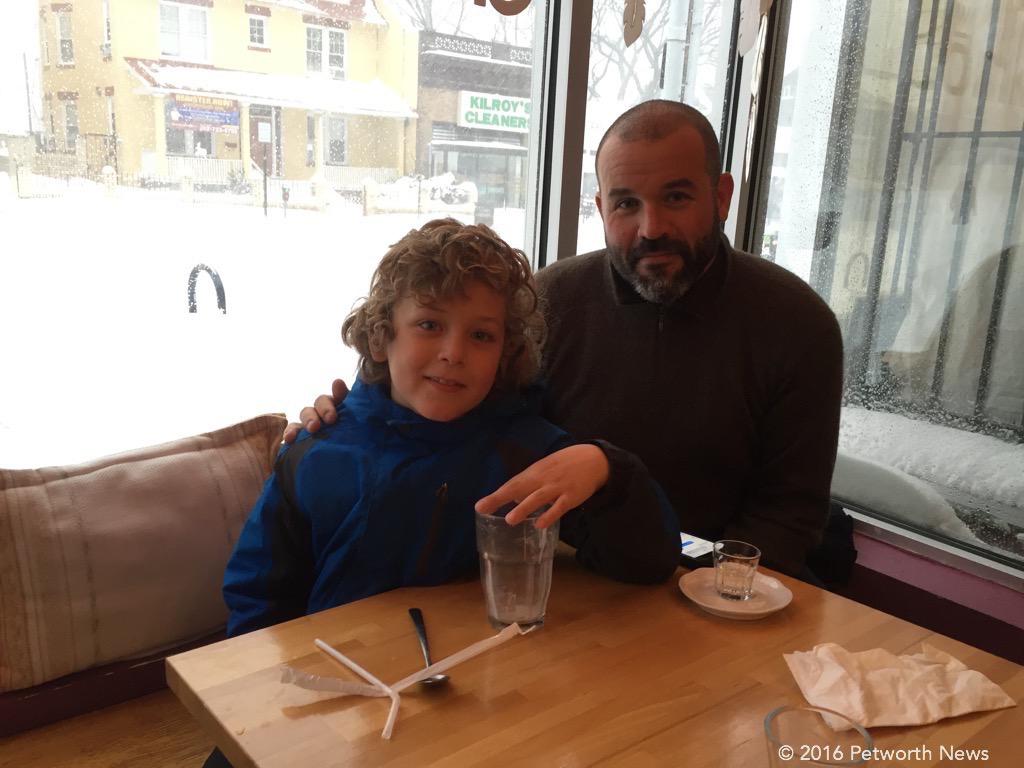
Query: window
(183, 32)
(111, 118)
(189, 143)
(683, 54)
(335, 51)
(258, 31)
(67, 45)
(334, 140)
(202, 368)
(314, 49)
(903, 209)
(310, 141)
(70, 125)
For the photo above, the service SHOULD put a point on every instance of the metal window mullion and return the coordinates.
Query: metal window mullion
(926, 162)
(918, 126)
(965, 207)
(860, 365)
(747, 218)
(557, 165)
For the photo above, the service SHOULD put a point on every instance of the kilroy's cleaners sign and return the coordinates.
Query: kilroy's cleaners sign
(494, 112)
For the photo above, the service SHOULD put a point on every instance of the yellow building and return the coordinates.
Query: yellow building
(219, 90)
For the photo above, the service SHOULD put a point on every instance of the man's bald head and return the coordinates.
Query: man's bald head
(658, 118)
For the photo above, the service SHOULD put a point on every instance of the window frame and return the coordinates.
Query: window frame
(181, 34)
(71, 110)
(324, 52)
(262, 21)
(328, 121)
(64, 18)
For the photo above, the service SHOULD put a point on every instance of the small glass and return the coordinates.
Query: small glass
(515, 567)
(735, 566)
(815, 736)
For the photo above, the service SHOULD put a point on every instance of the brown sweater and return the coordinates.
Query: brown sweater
(730, 395)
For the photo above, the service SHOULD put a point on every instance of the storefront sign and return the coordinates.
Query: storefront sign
(494, 112)
(204, 113)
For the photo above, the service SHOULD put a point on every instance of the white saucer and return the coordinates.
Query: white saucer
(770, 595)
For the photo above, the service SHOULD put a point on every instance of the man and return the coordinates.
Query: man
(721, 371)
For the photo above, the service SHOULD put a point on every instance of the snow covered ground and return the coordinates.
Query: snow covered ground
(963, 485)
(99, 351)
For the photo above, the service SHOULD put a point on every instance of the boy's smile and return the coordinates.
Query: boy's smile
(444, 356)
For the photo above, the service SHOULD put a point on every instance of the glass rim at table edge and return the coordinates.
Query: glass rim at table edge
(863, 731)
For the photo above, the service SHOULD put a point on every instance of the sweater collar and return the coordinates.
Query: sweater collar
(372, 404)
(697, 301)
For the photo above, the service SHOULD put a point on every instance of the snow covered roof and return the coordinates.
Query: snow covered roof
(348, 97)
(353, 10)
(472, 57)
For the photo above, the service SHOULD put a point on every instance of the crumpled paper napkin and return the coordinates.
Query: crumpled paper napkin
(875, 687)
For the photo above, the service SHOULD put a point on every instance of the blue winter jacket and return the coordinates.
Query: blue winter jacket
(384, 498)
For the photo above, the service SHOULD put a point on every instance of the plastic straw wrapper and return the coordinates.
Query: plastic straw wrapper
(378, 689)
(293, 676)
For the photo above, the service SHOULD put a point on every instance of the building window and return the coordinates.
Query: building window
(70, 125)
(184, 141)
(45, 47)
(183, 32)
(258, 31)
(314, 49)
(67, 45)
(111, 119)
(334, 140)
(335, 51)
(310, 141)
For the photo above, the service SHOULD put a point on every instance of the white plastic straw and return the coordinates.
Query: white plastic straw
(378, 688)
(344, 660)
(512, 630)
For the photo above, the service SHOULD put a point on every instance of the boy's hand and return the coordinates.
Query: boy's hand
(565, 479)
(324, 410)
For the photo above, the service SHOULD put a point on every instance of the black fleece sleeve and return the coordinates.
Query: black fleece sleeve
(628, 529)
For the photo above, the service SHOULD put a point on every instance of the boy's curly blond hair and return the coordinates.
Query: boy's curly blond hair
(434, 263)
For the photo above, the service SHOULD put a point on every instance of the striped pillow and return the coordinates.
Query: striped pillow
(124, 555)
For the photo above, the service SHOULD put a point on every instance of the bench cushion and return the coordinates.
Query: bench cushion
(123, 556)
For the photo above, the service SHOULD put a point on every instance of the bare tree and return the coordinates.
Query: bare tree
(632, 70)
(616, 72)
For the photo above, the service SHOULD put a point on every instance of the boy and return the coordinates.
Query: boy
(441, 415)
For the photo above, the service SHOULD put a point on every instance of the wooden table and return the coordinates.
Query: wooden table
(620, 675)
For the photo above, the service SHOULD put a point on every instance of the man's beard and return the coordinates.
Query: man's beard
(661, 287)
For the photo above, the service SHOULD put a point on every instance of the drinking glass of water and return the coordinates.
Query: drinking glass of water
(515, 567)
(735, 566)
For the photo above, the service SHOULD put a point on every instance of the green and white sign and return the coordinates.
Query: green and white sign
(494, 112)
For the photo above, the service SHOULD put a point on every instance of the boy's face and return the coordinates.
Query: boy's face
(444, 356)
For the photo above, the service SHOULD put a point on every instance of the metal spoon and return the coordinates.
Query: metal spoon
(421, 632)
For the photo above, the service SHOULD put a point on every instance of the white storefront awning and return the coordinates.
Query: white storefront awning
(480, 146)
(314, 93)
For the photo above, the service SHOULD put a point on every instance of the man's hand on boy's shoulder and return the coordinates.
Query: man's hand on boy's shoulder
(564, 479)
(324, 411)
